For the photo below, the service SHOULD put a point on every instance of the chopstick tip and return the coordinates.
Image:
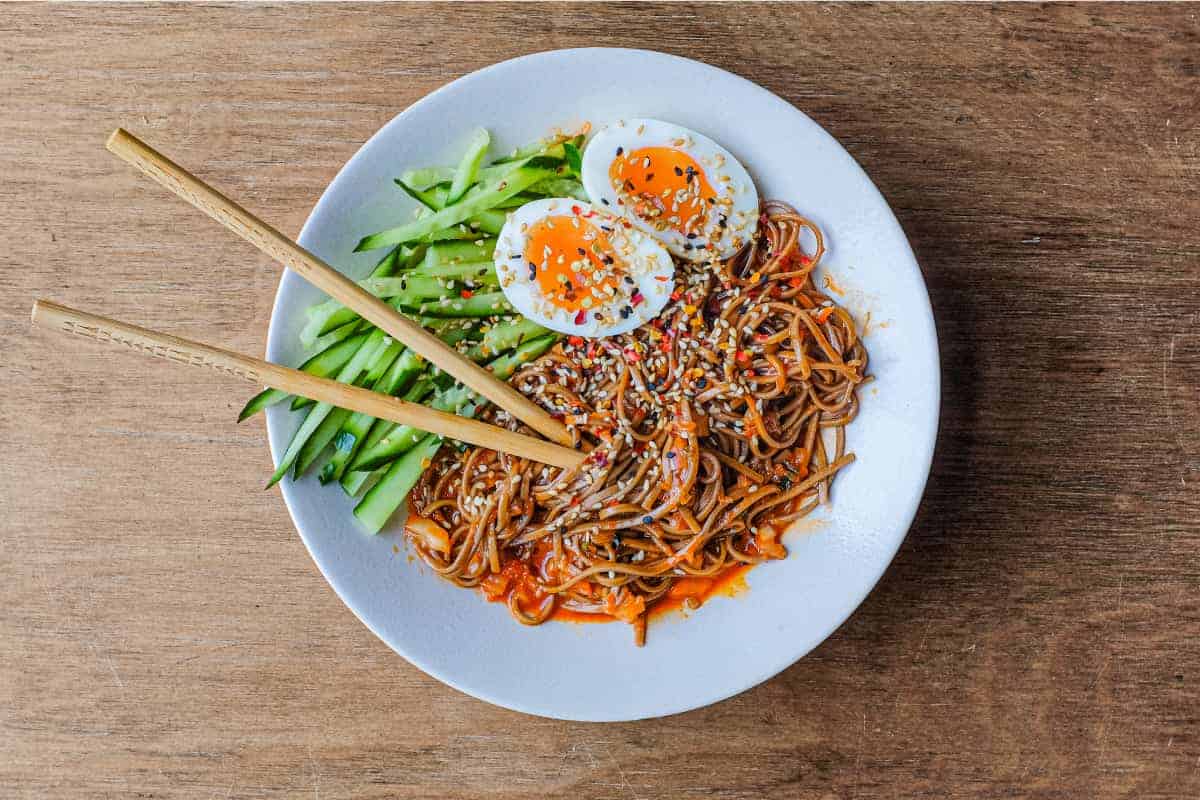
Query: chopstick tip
(38, 307)
(114, 138)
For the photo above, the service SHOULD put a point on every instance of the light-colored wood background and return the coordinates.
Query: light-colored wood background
(163, 632)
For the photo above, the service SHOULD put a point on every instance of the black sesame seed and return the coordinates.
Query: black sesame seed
(606, 229)
(628, 279)
(649, 176)
(691, 235)
(620, 151)
(678, 171)
(646, 520)
(625, 312)
(604, 200)
(581, 251)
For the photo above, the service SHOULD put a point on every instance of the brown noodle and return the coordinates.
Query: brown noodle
(706, 428)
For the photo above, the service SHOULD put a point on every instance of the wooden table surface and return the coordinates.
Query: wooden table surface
(163, 632)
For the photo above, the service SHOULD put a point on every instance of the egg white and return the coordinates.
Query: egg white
(725, 174)
(647, 263)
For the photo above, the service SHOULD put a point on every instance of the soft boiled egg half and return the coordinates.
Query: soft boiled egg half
(578, 270)
(682, 188)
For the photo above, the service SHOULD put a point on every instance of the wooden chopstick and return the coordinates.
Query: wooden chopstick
(292, 381)
(279, 247)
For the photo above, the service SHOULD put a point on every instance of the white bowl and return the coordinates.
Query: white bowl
(594, 672)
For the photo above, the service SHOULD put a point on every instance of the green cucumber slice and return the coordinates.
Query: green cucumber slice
(378, 505)
(479, 198)
(468, 168)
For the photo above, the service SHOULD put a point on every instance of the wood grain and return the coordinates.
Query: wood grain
(164, 633)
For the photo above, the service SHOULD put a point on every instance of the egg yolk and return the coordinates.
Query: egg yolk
(663, 186)
(573, 261)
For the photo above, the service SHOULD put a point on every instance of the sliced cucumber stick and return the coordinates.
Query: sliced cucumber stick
(505, 336)
(479, 305)
(468, 168)
(325, 317)
(454, 252)
(354, 429)
(320, 439)
(385, 497)
(482, 197)
(348, 374)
